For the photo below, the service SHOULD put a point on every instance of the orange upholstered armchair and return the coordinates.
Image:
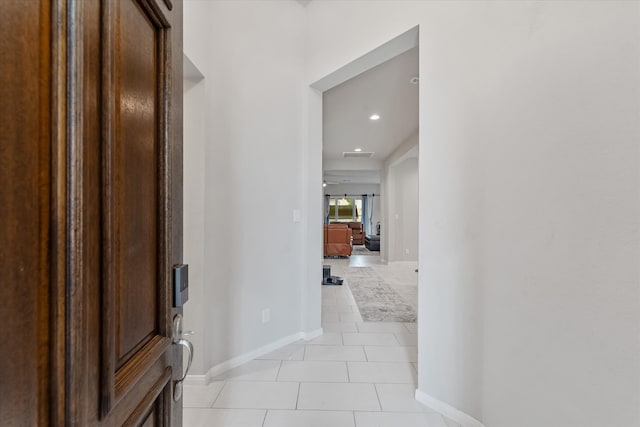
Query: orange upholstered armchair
(356, 232)
(337, 240)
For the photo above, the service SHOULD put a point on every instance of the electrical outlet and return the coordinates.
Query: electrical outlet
(406, 251)
(266, 315)
(297, 216)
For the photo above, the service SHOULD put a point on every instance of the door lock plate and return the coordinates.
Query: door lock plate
(180, 284)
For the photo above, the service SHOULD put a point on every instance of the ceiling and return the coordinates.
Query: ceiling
(385, 90)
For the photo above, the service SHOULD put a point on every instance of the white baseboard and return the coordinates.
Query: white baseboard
(244, 358)
(447, 410)
(308, 336)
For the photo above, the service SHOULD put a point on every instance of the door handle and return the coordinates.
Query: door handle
(177, 388)
(179, 339)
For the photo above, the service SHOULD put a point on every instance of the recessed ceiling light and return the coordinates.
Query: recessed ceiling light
(374, 117)
(357, 149)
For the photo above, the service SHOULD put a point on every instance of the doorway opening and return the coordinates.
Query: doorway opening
(370, 181)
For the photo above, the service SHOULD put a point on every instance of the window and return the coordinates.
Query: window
(345, 209)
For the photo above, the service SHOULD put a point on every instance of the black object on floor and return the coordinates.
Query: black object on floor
(326, 271)
(332, 280)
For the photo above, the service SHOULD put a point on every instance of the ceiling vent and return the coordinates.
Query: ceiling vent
(357, 154)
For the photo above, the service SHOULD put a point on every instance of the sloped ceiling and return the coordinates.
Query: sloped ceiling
(385, 90)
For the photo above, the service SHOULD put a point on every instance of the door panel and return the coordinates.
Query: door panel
(25, 204)
(90, 202)
(133, 175)
(135, 352)
(151, 419)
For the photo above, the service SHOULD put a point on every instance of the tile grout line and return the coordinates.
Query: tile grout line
(298, 395)
(396, 338)
(378, 396)
(354, 418)
(219, 393)
(264, 419)
(278, 373)
(348, 376)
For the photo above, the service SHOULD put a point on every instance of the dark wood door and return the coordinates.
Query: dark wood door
(91, 211)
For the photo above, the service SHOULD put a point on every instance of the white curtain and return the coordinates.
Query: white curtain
(365, 215)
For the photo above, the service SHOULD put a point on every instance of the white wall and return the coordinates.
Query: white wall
(403, 211)
(400, 208)
(529, 201)
(313, 246)
(254, 118)
(194, 214)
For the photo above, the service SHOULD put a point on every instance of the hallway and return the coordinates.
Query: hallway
(358, 374)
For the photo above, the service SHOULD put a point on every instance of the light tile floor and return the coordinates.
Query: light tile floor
(358, 374)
